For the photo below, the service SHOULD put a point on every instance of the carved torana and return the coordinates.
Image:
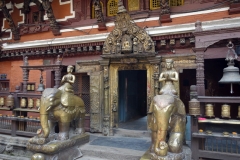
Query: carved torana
(127, 37)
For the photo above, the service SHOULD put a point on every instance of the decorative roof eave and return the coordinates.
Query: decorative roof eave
(152, 31)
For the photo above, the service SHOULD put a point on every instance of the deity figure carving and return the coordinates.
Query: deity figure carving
(126, 44)
(118, 47)
(135, 45)
(165, 9)
(169, 76)
(166, 118)
(98, 11)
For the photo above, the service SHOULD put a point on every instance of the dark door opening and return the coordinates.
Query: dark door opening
(132, 95)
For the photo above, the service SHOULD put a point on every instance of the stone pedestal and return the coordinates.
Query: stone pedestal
(102, 26)
(59, 150)
(185, 155)
(165, 18)
(234, 8)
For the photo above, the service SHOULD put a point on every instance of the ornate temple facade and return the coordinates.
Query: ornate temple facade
(115, 47)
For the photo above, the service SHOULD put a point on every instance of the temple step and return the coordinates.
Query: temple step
(131, 133)
(114, 147)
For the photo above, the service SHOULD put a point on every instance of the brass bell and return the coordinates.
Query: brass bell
(23, 103)
(194, 107)
(209, 110)
(10, 101)
(230, 73)
(225, 111)
(30, 103)
(1, 101)
(41, 87)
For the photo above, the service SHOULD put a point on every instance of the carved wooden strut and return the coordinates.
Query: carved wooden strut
(13, 27)
(53, 23)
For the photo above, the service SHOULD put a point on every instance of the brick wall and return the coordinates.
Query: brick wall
(15, 74)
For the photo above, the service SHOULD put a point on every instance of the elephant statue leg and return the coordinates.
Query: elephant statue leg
(80, 124)
(177, 134)
(153, 138)
(51, 125)
(63, 130)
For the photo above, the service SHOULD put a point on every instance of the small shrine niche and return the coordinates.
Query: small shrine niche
(127, 37)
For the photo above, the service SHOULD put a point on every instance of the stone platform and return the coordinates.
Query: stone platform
(185, 155)
(60, 150)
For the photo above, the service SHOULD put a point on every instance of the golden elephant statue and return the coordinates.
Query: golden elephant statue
(167, 120)
(62, 107)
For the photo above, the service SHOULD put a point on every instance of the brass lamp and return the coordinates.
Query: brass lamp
(230, 73)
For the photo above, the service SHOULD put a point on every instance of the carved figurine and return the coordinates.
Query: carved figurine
(98, 11)
(168, 76)
(165, 9)
(166, 118)
(126, 44)
(118, 47)
(135, 45)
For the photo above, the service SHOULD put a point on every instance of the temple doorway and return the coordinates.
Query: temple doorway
(132, 95)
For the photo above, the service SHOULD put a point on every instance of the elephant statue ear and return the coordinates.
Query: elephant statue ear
(51, 102)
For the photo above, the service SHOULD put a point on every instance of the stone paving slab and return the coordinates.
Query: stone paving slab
(140, 144)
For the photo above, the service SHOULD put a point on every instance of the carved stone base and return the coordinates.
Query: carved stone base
(60, 150)
(234, 8)
(185, 155)
(102, 26)
(165, 18)
(70, 153)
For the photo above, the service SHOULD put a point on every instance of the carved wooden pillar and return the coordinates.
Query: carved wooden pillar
(25, 79)
(25, 73)
(57, 77)
(107, 129)
(89, 8)
(147, 4)
(104, 7)
(156, 62)
(200, 71)
(141, 5)
(96, 97)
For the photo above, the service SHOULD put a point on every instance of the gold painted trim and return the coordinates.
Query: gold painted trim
(113, 9)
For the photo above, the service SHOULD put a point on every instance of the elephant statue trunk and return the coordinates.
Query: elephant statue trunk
(49, 98)
(44, 124)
